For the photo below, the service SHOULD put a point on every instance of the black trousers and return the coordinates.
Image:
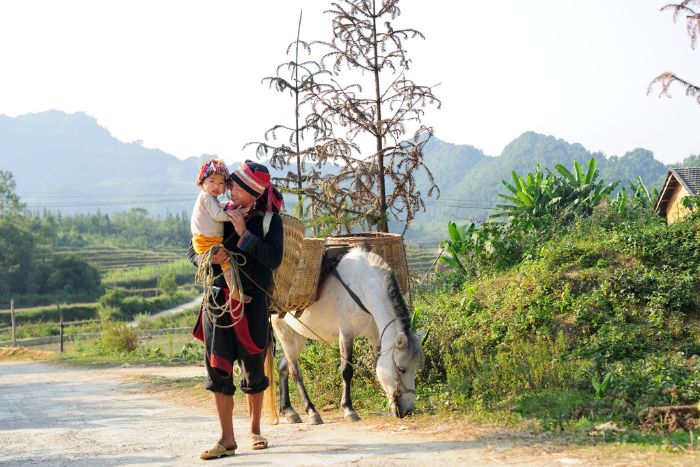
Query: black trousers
(222, 345)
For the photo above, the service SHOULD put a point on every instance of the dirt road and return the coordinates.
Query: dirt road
(52, 415)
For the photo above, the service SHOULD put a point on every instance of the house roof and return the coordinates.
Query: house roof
(687, 177)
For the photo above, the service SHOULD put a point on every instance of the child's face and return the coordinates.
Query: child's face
(214, 185)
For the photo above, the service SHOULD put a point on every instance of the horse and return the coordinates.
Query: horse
(336, 315)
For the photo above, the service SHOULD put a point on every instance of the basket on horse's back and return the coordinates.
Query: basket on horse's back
(296, 280)
(387, 245)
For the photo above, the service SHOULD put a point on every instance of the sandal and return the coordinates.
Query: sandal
(217, 451)
(257, 442)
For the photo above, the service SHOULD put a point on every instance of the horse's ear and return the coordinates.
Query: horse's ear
(401, 341)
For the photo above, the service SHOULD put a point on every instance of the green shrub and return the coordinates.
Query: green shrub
(167, 284)
(109, 313)
(118, 337)
(513, 370)
(113, 298)
(555, 407)
(616, 290)
(192, 351)
(142, 320)
(663, 379)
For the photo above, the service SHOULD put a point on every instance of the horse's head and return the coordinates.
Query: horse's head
(396, 371)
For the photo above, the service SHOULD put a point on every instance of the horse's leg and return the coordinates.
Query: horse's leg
(286, 408)
(314, 416)
(292, 343)
(347, 371)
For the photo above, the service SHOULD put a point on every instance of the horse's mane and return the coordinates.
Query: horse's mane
(401, 310)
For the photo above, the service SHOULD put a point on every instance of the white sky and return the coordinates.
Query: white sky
(185, 76)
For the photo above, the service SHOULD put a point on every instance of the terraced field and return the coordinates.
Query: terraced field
(421, 259)
(107, 258)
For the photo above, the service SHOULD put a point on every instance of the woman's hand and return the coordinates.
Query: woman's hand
(237, 217)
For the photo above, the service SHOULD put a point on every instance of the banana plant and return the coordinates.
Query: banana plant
(579, 178)
(456, 246)
(531, 195)
(539, 195)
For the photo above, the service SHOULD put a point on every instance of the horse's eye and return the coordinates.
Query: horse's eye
(401, 369)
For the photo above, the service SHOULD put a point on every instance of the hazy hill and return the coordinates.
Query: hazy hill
(69, 163)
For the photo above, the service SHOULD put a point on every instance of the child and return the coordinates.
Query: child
(208, 215)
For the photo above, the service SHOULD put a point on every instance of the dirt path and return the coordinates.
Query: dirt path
(52, 415)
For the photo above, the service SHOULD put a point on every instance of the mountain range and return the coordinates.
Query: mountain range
(69, 163)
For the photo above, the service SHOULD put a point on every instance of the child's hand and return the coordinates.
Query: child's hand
(238, 220)
(220, 256)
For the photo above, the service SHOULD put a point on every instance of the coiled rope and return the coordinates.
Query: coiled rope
(205, 275)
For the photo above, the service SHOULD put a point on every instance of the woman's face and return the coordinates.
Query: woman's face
(240, 197)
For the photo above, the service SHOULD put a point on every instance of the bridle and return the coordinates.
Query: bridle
(401, 388)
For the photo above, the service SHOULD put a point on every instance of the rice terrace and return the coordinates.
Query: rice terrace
(350, 232)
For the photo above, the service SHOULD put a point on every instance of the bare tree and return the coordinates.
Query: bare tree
(666, 79)
(308, 142)
(382, 182)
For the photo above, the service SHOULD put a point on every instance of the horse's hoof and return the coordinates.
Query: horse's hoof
(352, 417)
(293, 418)
(315, 419)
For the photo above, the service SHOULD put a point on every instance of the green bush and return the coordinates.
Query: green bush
(192, 351)
(118, 337)
(519, 368)
(611, 295)
(168, 284)
(663, 379)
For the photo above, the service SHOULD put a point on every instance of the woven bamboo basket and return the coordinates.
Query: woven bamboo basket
(387, 245)
(295, 281)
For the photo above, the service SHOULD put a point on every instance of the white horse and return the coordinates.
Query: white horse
(337, 316)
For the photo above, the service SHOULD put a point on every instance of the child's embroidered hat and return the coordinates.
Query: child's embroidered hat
(212, 167)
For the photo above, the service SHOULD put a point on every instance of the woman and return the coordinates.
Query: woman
(252, 195)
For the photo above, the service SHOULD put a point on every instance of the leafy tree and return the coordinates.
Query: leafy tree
(668, 78)
(16, 254)
(691, 161)
(16, 239)
(71, 275)
(10, 204)
(381, 182)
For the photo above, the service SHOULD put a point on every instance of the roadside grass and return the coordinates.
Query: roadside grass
(171, 349)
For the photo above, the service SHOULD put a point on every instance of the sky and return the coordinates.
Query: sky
(185, 76)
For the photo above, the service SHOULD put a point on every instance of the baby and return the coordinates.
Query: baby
(208, 215)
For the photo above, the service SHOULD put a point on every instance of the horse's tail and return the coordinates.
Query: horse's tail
(269, 395)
